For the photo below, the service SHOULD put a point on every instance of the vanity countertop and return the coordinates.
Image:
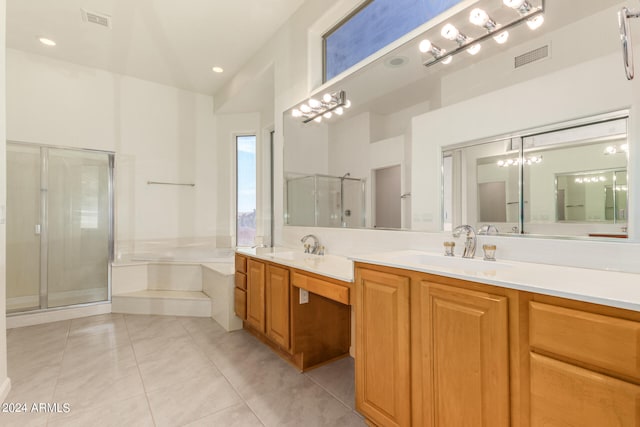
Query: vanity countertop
(337, 267)
(611, 288)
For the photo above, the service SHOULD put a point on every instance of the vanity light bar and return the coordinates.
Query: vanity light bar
(528, 13)
(315, 110)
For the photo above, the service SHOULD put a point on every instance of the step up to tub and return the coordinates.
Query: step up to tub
(173, 303)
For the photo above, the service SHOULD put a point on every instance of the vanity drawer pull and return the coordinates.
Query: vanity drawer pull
(324, 288)
(601, 341)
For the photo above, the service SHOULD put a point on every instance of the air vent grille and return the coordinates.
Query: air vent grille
(531, 56)
(96, 18)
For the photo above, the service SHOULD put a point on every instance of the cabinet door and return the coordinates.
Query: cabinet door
(462, 357)
(566, 395)
(240, 303)
(256, 294)
(278, 305)
(382, 348)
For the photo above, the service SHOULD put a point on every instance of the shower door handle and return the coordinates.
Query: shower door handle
(36, 229)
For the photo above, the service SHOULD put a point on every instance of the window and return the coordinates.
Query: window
(246, 199)
(373, 26)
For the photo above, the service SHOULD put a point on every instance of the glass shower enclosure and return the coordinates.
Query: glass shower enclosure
(59, 226)
(325, 201)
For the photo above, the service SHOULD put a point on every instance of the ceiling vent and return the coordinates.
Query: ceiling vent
(96, 18)
(531, 56)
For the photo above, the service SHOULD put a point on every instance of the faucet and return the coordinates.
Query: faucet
(315, 249)
(470, 243)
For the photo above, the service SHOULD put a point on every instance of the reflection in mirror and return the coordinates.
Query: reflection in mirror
(325, 201)
(565, 182)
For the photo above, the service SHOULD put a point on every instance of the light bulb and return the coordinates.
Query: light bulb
(296, 113)
(535, 22)
(318, 119)
(478, 17)
(447, 60)
(327, 115)
(46, 41)
(347, 104)
(502, 37)
(339, 111)
(510, 162)
(594, 179)
(474, 49)
(425, 46)
(579, 180)
(610, 150)
(327, 98)
(305, 108)
(314, 103)
(449, 32)
(624, 147)
(602, 179)
(514, 4)
(500, 162)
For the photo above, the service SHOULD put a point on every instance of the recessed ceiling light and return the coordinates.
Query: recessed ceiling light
(217, 69)
(46, 41)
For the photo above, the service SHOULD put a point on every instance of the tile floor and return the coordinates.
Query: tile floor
(134, 370)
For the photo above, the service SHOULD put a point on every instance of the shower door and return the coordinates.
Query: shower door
(59, 226)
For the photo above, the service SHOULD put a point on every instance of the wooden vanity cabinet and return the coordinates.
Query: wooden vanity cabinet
(432, 351)
(256, 290)
(277, 306)
(305, 334)
(383, 373)
(585, 364)
(240, 290)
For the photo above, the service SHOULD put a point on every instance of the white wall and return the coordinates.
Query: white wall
(5, 383)
(159, 133)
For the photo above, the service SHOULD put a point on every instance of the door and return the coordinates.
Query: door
(278, 305)
(256, 295)
(59, 226)
(388, 201)
(383, 371)
(462, 357)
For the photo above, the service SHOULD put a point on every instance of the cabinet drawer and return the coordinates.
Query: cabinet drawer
(241, 280)
(602, 341)
(240, 303)
(241, 263)
(566, 395)
(321, 287)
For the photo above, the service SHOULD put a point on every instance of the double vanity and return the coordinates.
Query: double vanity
(451, 341)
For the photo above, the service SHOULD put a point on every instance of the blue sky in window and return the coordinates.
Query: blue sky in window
(246, 155)
(374, 27)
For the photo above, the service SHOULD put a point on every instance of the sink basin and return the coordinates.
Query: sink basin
(466, 264)
(291, 256)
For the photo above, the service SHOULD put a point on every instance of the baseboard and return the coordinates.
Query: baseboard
(29, 319)
(5, 388)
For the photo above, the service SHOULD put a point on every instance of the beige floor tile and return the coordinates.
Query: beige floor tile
(236, 416)
(185, 363)
(304, 404)
(191, 400)
(23, 420)
(87, 365)
(337, 379)
(132, 412)
(84, 392)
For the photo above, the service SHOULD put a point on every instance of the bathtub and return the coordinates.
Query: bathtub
(186, 254)
(184, 269)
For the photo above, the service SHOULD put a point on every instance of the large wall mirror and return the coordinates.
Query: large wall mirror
(370, 167)
(570, 180)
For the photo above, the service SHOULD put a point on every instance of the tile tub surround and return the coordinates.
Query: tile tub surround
(143, 370)
(610, 288)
